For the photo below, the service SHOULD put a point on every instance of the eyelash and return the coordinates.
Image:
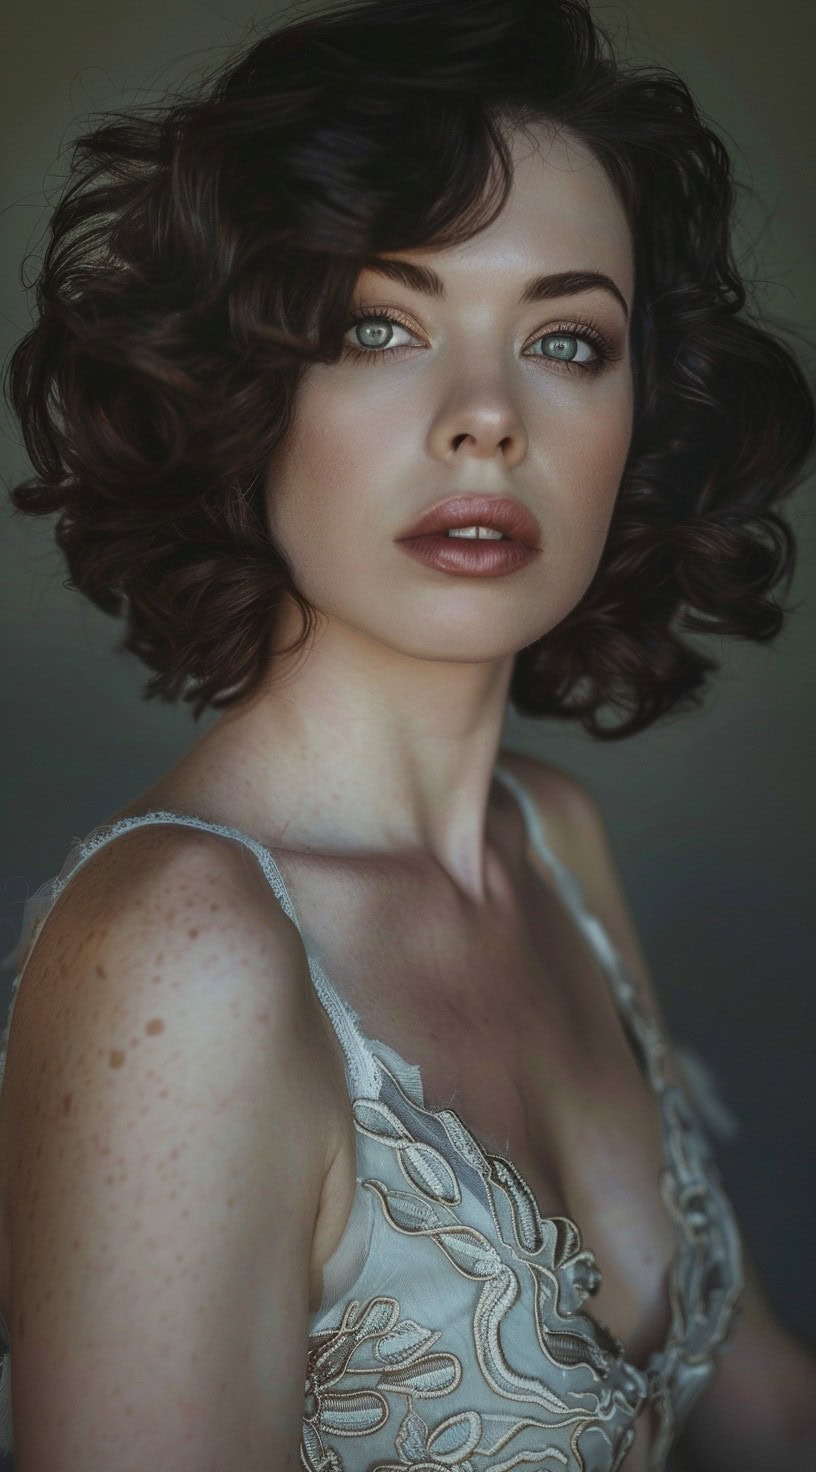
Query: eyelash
(582, 328)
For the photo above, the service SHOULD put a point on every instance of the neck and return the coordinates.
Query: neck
(354, 748)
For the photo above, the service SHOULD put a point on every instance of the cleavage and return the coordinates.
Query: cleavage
(510, 1022)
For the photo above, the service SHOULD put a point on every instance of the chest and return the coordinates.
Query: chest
(512, 1025)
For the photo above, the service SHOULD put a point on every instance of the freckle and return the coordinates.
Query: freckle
(214, 906)
(193, 932)
(75, 1244)
(170, 915)
(174, 1154)
(67, 1100)
(230, 1201)
(49, 1295)
(164, 1093)
(134, 1042)
(116, 1058)
(100, 971)
(38, 1152)
(156, 1024)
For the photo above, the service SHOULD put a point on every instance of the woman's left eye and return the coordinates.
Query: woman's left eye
(565, 347)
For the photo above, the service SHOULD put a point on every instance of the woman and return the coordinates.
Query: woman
(336, 1059)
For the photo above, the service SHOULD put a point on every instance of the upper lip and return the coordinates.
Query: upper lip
(501, 513)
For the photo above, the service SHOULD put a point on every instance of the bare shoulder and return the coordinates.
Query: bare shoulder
(162, 930)
(577, 834)
(158, 904)
(570, 815)
(167, 1151)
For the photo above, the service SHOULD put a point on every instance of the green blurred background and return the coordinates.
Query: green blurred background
(711, 814)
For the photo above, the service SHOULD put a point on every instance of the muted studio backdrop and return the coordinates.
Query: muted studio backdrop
(711, 814)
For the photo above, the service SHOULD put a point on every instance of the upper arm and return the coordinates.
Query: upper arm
(760, 1410)
(166, 1169)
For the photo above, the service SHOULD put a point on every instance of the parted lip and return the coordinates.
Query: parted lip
(501, 513)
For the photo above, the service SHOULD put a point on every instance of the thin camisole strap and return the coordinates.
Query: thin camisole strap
(644, 1032)
(362, 1066)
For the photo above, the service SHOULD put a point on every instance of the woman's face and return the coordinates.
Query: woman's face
(477, 391)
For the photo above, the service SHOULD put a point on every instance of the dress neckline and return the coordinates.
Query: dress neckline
(643, 1037)
(682, 1147)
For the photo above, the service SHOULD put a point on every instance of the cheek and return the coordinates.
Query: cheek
(333, 444)
(591, 458)
(586, 468)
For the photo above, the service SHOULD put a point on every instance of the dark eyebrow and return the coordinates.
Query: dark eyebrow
(537, 289)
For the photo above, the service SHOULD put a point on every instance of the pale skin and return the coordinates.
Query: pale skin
(368, 766)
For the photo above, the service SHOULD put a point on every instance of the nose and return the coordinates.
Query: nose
(479, 422)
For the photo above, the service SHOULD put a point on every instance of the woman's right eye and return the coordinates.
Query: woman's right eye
(372, 335)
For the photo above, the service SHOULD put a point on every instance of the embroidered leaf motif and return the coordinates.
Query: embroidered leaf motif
(379, 1316)
(406, 1212)
(412, 1437)
(355, 1413)
(313, 1455)
(470, 1252)
(467, 1249)
(434, 1374)
(456, 1438)
(329, 1363)
(573, 1349)
(377, 1120)
(468, 1147)
(430, 1172)
(406, 1341)
(527, 1222)
(569, 1239)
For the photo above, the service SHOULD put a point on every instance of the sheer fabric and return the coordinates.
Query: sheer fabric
(454, 1330)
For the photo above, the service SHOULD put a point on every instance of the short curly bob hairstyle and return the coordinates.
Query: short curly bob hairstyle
(203, 255)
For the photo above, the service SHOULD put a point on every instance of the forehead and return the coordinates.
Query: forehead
(562, 213)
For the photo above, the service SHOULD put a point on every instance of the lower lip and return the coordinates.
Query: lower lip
(475, 557)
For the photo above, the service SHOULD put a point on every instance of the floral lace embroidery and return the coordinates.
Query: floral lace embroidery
(586, 1423)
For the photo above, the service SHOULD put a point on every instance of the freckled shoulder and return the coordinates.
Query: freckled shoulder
(167, 1150)
(155, 920)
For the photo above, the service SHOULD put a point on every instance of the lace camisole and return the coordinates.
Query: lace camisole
(454, 1334)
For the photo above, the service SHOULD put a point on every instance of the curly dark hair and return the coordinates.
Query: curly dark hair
(203, 255)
